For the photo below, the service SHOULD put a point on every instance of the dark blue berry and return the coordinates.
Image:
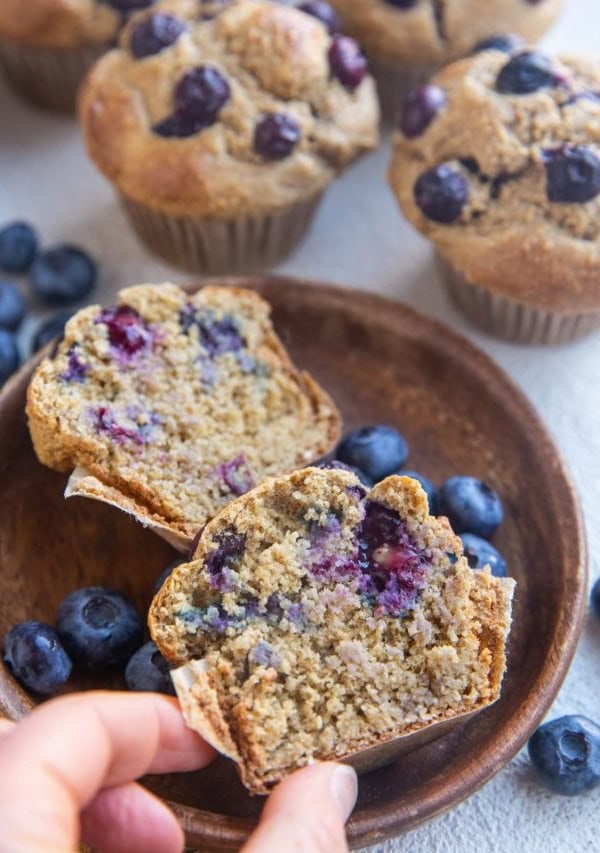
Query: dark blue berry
(98, 627)
(199, 97)
(324, 13)
(9, 355)
(572, 174)
(148, 670)
(63, 275)
(504, 43)
(428, 487)
(402, 4)
(421, 105)
(566, 754)
(441, 193)
(595, 598)
(154, 34)
(376, 450)
(480, 553)
(470, 505)
(33, 653)
(165, 574)
(18, 245)
(525, 73)
(12, 306)
(347, 62)
(49, 330)
(275, 136)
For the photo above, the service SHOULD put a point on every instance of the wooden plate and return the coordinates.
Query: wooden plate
(383, 363)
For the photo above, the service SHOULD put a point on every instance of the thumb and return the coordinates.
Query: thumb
(306, 812)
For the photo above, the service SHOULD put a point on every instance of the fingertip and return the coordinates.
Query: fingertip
(344, 789)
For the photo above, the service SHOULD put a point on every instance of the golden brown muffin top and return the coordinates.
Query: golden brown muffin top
(63, 23)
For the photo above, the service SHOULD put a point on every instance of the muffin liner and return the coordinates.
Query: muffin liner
(394, 83)
(513, 320)
(215, 246)
(45, 77)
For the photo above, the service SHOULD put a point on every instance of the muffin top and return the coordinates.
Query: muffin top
(421, 32)
(242, 112)
(498, 162)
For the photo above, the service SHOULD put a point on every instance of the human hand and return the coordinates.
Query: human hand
(68, 770)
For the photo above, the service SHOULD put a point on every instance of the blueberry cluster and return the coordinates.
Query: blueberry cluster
(473, 508)
(96, 629)
(60, 276)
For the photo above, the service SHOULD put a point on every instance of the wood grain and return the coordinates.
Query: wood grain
(382, 362)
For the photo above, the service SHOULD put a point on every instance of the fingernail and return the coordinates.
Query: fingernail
(344, 787)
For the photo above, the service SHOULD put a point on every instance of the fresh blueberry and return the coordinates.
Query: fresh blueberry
(98, 627)
(275, 136)
(49, 330)
(504, 43)
(595, 598)
(12, 306)
(147, 670)
(9, 355)
(470, 505)
(426, 484)
(63, 275)
(154, 34)
(347, 62)
(566, 754)
(33, 653)
(421, 106)
(376, 450)
(165, 574)
(441, 193)
(324, 13)
(525, 73)
(199, 97)
(572, 174)
(480, 553)
(18, 246)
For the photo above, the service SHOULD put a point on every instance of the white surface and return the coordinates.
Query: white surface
(360, 239)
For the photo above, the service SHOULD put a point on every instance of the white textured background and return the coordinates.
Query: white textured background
(360, 239)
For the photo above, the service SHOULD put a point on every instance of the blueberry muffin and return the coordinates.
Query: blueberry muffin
(169, 405)
(408, 40)
(317, 621)
(46, 46)
(497, 162)
(221, 134)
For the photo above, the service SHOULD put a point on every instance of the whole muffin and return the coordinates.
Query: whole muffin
(408, 40)
(498, 163)
(221, 134)
(46, 46)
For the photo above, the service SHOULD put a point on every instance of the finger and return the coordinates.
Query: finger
(5, 727)
(59, 757)
(129, 819)
(307, 811)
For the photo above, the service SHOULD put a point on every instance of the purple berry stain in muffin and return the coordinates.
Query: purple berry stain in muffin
(236, 475)
(76, 370)
(216, 336)
(128, 332)
(140, 433)
(220, 563)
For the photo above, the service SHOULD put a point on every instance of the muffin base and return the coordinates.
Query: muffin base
(394, 83)
(48, 78)
(219, 245)
(514, 321)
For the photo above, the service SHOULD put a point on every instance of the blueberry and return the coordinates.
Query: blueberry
(480, 553)
(347, 62)
(504, 43)
(199, 97)
(148, 670)
(98, 627)
(441, 193)
(470, 505)
(526, 73)
(165, 574)
(572, 174)
(402, 4)
(421, 105)
(18, 246)
(154, 34)
(63, 275)
(566, 754)
(49, 330)
(376, 450)
(33, 653)
(275, 136)
(595, 598)
(9, 355)
(426, 484)
(324, 13)
(12, 306)
(127, 329)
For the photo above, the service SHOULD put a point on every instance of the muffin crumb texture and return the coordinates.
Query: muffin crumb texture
(316, 621)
